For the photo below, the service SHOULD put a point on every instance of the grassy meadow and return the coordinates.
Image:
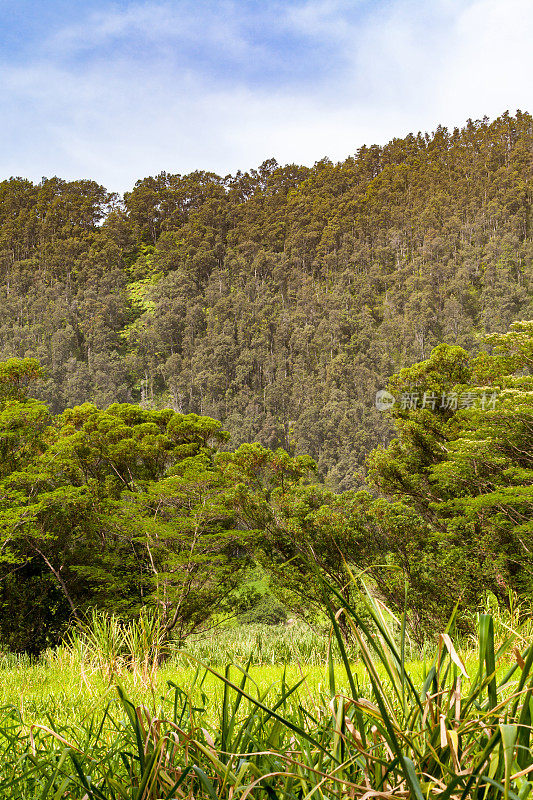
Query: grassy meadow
(75, 681)
(115, 714)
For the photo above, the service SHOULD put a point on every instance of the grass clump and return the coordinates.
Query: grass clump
(261, 643)
(451, 728)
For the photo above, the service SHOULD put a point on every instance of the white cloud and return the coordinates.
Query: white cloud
(322, 18)
(489, 65)
(405, 69)
(164, 26)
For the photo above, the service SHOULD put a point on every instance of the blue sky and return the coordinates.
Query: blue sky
(119, 90)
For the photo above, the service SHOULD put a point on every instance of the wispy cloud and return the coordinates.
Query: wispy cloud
(131, 89)
(158, 29)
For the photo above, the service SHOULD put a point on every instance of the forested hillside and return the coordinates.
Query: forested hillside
(277, 301)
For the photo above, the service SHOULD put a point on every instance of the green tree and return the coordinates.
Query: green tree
(71, 494)
(197, 557)
(465, 469)
(17, 375)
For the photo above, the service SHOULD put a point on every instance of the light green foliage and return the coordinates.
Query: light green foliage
(23, 433)
(197, 556)
(487, 479)
(292, 523)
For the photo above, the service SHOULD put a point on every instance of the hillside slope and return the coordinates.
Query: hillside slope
(279, 300)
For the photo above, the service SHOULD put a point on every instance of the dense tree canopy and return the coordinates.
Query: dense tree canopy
(464, 467)
(133, 507)
(116, 509)
(277, 301)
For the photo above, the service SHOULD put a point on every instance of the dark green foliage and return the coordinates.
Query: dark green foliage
(34, 613)
(278, 300)
(16, 377)
(267, 611)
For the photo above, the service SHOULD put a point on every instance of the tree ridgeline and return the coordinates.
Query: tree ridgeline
(277, 301)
